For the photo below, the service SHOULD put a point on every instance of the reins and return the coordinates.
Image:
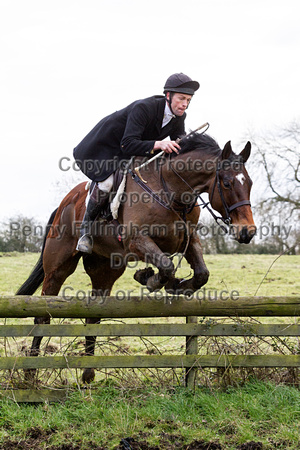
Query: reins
(188, 208)
(147, 189)
(181, 210)
(206, 204)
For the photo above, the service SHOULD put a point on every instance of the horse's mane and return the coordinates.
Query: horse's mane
(200, 141)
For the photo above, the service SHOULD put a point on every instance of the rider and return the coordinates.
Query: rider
(137, 130)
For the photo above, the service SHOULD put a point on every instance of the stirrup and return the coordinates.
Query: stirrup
(85, 244)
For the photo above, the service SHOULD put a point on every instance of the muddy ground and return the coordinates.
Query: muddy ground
(36, 438)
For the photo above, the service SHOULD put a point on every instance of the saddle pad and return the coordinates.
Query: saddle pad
(115, 204)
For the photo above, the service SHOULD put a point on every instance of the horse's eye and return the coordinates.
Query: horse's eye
(227, 184)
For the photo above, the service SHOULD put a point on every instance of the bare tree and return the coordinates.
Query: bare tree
(276, 172)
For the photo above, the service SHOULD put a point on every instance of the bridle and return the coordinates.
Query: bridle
(228, 209)
(188, 208)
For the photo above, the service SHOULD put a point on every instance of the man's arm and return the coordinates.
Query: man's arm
(132, 143)
(137, 122)
(172, 145)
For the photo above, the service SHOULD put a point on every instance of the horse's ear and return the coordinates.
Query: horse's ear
(246, 152)
(227, 150)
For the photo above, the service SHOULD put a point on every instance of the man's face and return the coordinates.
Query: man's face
(179, 102)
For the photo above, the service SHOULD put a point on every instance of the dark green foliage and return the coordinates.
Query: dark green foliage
(21, 234)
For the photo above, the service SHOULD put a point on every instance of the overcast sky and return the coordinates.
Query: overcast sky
(65, 64)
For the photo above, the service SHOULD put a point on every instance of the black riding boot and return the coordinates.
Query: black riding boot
(97, 202)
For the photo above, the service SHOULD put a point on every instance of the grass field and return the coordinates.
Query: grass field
(248, 274)
(153, 409)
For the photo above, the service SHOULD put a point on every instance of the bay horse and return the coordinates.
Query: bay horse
(173, 187)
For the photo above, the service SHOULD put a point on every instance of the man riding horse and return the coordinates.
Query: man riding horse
(137, 130)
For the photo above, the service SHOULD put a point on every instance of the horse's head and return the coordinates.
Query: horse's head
(229, 193)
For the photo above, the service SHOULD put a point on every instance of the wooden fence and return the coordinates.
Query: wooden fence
(141, 307)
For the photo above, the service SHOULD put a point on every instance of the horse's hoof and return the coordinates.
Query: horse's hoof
(153, 284)
(142, 276)
(88, 376)
(185, 292)
(177, 286)
(173, 286)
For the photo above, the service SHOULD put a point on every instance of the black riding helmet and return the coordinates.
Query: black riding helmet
(179, 82)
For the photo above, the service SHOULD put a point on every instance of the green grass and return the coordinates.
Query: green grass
(255, 412)
(244, 273)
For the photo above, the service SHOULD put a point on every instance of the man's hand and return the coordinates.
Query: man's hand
(167, 146)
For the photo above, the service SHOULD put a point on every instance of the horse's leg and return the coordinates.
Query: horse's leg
(142, 275)
(51, 286)
(103, 276)
(194, 257)
(60, 259)
(146, 249)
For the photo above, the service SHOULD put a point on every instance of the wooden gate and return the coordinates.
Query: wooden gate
(141, 307)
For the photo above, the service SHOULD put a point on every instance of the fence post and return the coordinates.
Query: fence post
(191, 349)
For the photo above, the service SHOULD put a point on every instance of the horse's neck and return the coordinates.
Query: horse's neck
(180, 181)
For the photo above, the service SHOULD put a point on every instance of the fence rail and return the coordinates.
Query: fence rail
(141, 307)
(157, 329)
(147, 306)
(153, 361)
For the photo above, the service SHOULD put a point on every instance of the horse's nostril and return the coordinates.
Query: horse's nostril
(244, 232)
(246, 235)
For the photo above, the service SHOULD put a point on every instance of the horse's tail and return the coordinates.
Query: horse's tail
(36, 277)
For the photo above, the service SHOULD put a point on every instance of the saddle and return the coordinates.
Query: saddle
(109, 210)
